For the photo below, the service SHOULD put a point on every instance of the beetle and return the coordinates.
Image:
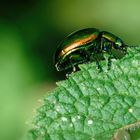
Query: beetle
(88, 45)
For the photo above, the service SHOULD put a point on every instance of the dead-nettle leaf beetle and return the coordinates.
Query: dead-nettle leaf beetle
(88, 45)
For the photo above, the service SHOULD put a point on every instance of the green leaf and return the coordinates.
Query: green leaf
(93, 105)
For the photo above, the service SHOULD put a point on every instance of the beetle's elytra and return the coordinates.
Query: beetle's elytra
(88, 45)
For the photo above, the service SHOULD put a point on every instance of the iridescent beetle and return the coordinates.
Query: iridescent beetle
(88, 45)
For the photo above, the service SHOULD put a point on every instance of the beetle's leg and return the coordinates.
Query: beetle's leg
(97, 58)
(110, 60)
(68, 74)
(74, 69)
(99, 66)
(97, 62)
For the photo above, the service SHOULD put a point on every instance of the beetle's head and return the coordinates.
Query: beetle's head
(119, 48)
(119, 45)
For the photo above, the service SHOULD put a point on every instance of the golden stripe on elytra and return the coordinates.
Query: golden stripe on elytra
(76, 44)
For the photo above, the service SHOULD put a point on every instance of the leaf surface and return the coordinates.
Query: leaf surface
(90, 105)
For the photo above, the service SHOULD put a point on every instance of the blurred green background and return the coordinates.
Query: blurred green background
(29, 34)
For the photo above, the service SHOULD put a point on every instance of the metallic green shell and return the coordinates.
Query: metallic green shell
(74, 37)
